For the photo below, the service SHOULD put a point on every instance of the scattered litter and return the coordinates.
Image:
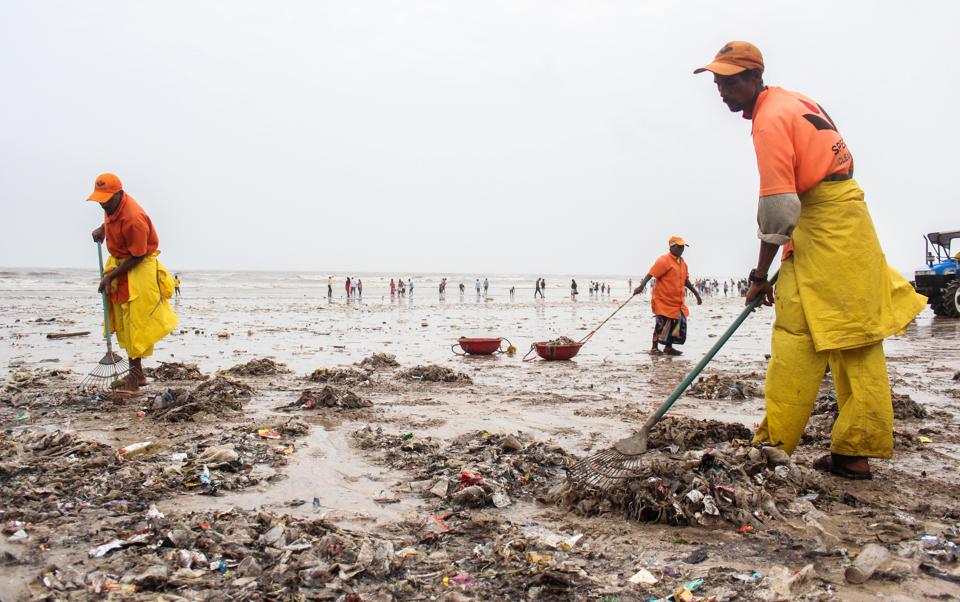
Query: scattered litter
(718, 386)
(643, 577)
(379, 361)
(870, 558)
(34, 379)
(474, 466)
(268, 433)
(340, 376)
(434, 373)
(133, 450)
(217, 396)
(328, 397)
(733, 483)
(175, 371)
(258, 367)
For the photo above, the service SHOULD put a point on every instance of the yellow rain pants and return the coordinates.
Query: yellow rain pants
(836, 300)
(147, 316)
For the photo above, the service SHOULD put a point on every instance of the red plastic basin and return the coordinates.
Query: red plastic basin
(480, 346)
(557, 352)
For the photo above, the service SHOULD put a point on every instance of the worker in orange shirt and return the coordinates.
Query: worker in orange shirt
(669, 298)
(137, 285)
(836, 297)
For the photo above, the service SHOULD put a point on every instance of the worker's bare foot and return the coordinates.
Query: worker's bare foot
(655, 351)
(856, 468)
(131, 383)
(672, 351)
(136, 372)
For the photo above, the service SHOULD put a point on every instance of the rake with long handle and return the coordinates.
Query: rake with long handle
(112, 366)
(604, 469)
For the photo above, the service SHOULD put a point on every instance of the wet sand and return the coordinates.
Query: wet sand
(579, 406)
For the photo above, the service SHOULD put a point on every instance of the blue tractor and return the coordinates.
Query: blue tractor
(940, 280)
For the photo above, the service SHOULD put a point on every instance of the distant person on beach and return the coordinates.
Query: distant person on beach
(410, 285)
(353, 287)
(176, 285)
(135, 282)
(630, 284)
(393, 288)
(477, 286)
(669, 298)
(543, 288)
(836, 297)
(347, 286)
(329, 287)
(359, 288)
(573, 288)
(537, 290)
(486, 286)
(462, 288)
(513, 291)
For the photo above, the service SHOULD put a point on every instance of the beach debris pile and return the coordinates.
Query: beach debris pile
(258, 367)
(680, 433)
(216, 396)
(937, 553)
(379, 361)
(339, 376)
(51, 474)
(33, 379)
(327, 397)
(234, 554)
(475, 469)
(175, 371)
(560, 341)
(826, 410)
(716, 386)
(434, 374)
(904, 407)
(734, 484)
(245, 554)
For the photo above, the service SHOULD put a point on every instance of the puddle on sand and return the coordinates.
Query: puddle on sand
(325, 467)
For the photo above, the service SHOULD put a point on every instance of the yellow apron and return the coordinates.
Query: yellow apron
(836, 300)
(850, 296)
(147, 316)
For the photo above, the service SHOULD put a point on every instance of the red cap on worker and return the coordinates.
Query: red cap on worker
(106, 185)
(734, 58)
(676, 240)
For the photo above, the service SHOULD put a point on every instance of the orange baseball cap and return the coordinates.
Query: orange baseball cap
(105, 187)
(676, 240)
(734, 58)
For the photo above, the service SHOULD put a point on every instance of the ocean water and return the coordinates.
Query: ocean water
(376, 286)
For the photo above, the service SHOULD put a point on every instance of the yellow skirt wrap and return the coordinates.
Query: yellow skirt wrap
(147, 316)
(850, 296)
(836, 300)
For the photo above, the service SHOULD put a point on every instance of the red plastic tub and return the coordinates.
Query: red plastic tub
(479, 346)
(556, 352)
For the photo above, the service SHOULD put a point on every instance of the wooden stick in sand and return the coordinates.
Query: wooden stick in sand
(67, 335)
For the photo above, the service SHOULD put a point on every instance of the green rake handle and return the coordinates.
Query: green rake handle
(693, 374)
(106, 312)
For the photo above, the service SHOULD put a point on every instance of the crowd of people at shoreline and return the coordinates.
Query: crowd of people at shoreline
(400, 288)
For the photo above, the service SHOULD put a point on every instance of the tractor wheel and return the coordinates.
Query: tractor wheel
(950, 300)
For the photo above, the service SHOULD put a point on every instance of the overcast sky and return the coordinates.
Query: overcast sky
(516, 136)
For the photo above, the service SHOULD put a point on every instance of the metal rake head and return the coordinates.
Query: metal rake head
(607, 469)
(111, 367)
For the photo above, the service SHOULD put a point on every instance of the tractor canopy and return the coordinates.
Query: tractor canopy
(943, 238)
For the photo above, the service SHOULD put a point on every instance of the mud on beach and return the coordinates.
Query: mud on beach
(322, 476)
